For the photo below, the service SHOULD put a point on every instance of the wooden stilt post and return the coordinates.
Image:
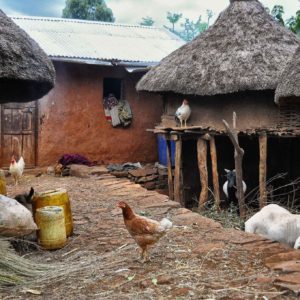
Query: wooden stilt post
(238, 160)
(262, 169)
(177, 175)
(170, 176)
(202, 164)
(215, 175)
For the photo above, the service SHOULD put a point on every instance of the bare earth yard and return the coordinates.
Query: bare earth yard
(197, 259)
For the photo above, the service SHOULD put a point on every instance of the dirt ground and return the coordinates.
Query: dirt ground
(197, 259)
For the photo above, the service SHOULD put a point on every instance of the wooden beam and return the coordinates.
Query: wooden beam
(170, 176)
(238, 161)
(215, 175)
(262, 169)
(202, 165)
(177, 175)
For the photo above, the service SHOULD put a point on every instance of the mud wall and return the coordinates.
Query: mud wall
(253, 109)
(71, 118)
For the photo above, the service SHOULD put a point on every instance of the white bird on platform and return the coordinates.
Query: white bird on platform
(183, 112)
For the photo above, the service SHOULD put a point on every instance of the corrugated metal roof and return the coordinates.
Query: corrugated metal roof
(82, 40)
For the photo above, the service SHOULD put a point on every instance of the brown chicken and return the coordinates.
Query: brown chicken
(145, 231)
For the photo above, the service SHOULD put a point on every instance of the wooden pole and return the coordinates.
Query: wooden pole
(215, 175)
(262, 169)
(177, 175)
(202, 165)
(238, 161)
(170, 176)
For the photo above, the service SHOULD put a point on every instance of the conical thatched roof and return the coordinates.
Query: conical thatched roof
(289, 82)
(26, 72)
(244, 50)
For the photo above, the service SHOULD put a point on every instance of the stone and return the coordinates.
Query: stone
(83, 171)
(79, 171)
(98, 170)
(120, 174)
(143, 172)
(147, 178)
(149, 185)
(163, 172)
(191, 218)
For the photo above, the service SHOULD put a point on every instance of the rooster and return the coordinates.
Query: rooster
(183, 112)
(144, 231)
(16, 169)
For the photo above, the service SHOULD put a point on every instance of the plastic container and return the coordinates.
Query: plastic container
(162, 150)
(57, 197)
(2, 183)
(52, 230)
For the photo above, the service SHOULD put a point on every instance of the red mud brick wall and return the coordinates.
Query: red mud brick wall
(71, 118)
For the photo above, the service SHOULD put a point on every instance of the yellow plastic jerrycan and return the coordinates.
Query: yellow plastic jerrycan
(57, 197)
(2, 183)
(51, 227)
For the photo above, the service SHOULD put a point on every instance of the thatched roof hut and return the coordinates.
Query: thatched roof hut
(244, 49)
(26, 72)
(289, 81)
(234, 66)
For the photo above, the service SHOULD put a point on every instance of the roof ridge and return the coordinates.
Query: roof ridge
(56, 19)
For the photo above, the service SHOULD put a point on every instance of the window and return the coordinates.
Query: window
(112, 85)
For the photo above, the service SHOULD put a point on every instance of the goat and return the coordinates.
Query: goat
(26, 199)
(229, 187)
(277, 224)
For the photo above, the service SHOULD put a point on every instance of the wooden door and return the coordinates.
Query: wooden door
(18, 120)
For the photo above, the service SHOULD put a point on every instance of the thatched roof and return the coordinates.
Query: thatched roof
(245, 49)
(26, 72)
(289, 82)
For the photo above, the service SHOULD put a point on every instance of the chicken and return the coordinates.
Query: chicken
(144, 231)
(183, 112)
(16, 169)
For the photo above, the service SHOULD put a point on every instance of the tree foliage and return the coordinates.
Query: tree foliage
(147, 21)
(95, 10)
(190, 28)
(277, 12)
(294, 23)
(173, 19)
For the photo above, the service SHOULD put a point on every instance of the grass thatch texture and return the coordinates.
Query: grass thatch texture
(245, 49)
(288, 84)
(17, 270)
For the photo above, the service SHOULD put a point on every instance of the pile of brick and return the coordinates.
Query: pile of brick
(150, 177)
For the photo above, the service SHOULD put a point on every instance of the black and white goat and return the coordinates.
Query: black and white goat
(26, 199)
(229, 187)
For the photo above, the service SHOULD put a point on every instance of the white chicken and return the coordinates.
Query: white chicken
(16, 169)
(183, 112)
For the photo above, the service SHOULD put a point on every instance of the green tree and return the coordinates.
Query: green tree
(95, 10)
(277, 12)
(192, 29)
(294, 23)
(147, 21)
(209, 14)
(173, 18)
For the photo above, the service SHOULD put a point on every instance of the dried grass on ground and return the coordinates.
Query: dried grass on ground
(196, 260)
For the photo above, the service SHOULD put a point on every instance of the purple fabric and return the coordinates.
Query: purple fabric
(68, 159)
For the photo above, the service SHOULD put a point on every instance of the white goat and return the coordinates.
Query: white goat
(276, 223)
